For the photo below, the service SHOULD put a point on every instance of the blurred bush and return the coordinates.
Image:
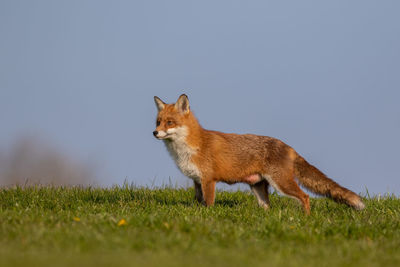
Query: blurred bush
(31, 161)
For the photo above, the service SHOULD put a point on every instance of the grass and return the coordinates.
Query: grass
(54, 226)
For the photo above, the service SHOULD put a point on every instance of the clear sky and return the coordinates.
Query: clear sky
(323, 76)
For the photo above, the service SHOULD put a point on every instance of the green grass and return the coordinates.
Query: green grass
(165, 227)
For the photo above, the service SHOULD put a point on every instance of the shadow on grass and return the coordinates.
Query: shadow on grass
(227, 203)
(193, 202)
(176, 202)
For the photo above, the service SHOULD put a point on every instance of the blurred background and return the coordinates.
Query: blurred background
(77, 80)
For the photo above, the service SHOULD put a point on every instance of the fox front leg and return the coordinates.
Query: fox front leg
(198, 193)
(208, 189)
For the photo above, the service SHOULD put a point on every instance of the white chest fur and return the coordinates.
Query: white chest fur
(182, 154)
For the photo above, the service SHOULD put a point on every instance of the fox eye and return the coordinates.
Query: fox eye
(158, 122)
(170, 122)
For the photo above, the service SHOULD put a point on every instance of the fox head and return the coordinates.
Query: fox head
(172, 118)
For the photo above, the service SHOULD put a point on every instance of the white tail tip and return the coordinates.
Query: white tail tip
(359, 205)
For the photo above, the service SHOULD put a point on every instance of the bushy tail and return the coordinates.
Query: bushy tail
(314, 180)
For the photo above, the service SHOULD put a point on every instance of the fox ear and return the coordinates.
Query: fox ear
(159, 103)
(182, 104)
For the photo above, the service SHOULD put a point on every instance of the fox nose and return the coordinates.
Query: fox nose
(155, 133)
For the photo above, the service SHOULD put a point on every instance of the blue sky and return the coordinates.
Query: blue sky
(323, 77)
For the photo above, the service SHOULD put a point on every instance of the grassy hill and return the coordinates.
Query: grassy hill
(131, 226)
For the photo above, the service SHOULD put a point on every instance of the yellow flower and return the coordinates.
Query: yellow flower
(77, 219)
(166, 225)
(122, 222)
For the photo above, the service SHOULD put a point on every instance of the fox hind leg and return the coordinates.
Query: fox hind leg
(286, 185)
(260, 190)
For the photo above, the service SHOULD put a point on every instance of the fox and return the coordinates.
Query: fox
(208, 157)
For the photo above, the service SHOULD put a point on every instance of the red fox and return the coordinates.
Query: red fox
(208, 157)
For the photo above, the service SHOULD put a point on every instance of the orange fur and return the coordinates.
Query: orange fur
(209, 157)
